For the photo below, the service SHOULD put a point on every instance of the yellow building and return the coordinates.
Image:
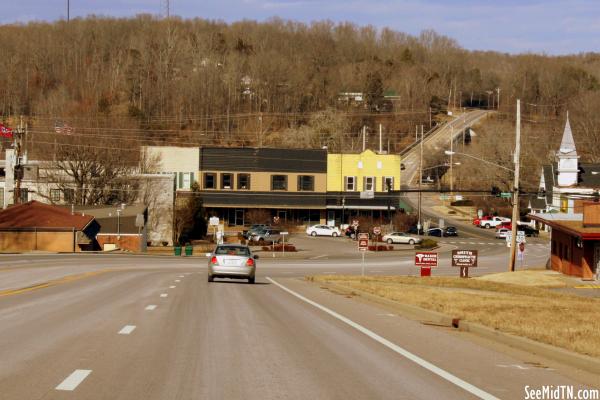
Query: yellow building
(365, 184)
(367, 171)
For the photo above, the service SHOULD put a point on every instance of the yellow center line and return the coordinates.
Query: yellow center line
(587, 287)
(54, 282)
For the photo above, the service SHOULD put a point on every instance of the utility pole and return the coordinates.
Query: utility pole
(68, 10)
(380, 138)
(429, 117)
(420, 179)
(18, 168)
(498, 105)
(451, 161)
(515, 213)
(364, 138)
(260, 130)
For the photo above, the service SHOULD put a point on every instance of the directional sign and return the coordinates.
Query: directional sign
(363, 241)
(520, 238)
(426, 259)
(506, 195)
(464, 258)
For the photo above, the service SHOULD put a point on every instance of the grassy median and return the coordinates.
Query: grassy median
(562, 320)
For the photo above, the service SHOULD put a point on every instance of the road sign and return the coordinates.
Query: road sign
(506, 195)
(355, 223)
(444, 197)
(521, 252)
(377, 230)
(363, 241)
(464, 258)
(520, 238)
(213, 221)
(426, 259)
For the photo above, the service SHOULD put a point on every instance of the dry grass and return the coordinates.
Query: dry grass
(562, 320)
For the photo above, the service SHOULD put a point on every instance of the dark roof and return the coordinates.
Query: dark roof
(109, 222)
(549, 174)
(538, 204)
(588, 179)
(262, 159)
(263, 199)
(39, 215)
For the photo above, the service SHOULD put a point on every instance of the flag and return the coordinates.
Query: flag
(61, 127)
(6, 132)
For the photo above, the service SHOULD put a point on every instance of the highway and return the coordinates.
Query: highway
(136, 327)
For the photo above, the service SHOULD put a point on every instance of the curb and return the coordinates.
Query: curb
(566, 357)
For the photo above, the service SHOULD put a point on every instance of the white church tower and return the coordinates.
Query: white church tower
(567, 159)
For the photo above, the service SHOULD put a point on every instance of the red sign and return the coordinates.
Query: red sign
(363, 241)
(426, 259)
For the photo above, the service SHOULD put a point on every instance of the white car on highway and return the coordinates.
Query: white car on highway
(401, 237)
(323, 230)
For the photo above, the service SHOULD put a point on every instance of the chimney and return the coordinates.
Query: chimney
(591, 214)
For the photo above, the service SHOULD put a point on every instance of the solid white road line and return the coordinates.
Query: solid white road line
(163, 295)
(394, 347)
(151, 307)
(172, 287)
(73, 380)
(127, 329)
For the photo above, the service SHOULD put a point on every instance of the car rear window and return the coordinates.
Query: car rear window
(232, 251)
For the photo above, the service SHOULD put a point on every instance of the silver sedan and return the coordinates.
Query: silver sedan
(401, 237)
(232, 261)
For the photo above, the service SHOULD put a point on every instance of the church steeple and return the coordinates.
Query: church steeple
(567, 158)
(567, 145)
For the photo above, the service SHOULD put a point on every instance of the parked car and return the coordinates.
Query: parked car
(266, 234)
(414, 231)
(232, 261)
(351, 232)
(477, 221)
(493, 222)
(401, 237)
(529, 231)
(451, 231)
(253, 229)
(323, 230)
(439, 232)
(502, 233)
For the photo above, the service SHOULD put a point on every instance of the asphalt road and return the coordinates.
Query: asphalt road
(153, 328)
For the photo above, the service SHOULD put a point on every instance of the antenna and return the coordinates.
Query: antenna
(167, 8)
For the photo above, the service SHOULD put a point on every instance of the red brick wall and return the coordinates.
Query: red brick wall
(129, 242)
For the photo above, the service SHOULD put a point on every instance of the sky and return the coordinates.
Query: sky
(554, 27)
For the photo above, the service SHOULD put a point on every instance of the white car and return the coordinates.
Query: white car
(502, 233)
(493, 222)
(401, 237)
(323, 230)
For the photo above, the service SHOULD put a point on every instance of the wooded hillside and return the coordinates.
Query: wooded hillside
(145, 81)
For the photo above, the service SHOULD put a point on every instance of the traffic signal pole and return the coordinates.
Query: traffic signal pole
(515, 213)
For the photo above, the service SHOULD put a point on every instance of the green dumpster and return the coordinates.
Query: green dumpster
(177, 250)
(189, 250)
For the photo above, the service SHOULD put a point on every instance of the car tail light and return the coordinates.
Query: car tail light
(214, 260)
(250, 262)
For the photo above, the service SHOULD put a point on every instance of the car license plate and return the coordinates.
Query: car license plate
(231, 262)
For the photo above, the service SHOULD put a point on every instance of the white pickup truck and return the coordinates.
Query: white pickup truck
(493, 222)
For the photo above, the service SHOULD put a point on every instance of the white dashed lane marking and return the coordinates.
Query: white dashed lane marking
(163, 295)
(73, 380)
(151, 307)
(127, 329)
(172, 287)
(177, 280)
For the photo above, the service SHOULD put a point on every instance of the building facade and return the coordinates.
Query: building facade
(288, 185)
(365, 184)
